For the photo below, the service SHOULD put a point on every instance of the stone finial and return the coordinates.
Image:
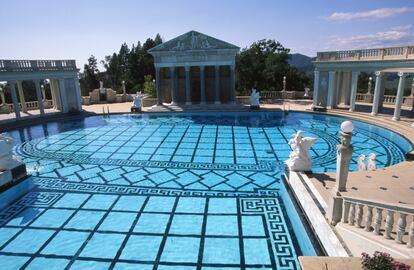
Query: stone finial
(361, 163)
(372, 162)
(284, 83)
(299, 158)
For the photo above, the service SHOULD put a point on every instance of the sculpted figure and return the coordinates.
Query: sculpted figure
(8, 161)
(372, 162)
(254, 99)
(137, 103)
(361, 163)
(299, 158)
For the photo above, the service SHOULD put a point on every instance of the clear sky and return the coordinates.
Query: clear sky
(75, 29)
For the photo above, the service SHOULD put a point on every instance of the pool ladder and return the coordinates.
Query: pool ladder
(103, 111)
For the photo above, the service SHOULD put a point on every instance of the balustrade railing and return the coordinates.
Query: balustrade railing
(37, 65)
(31, 105)
(368, 54)
(388, 99)
(360, 213)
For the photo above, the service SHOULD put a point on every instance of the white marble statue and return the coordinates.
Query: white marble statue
(307, 92)
(254, 98)
(372, 162)
(8, 161)
(137, 103)
(361, 163)
(101, 88)
(299, 158)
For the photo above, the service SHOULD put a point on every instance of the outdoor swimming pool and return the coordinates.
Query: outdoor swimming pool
(169, 191)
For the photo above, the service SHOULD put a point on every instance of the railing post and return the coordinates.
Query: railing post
(345, 213)
(378, 221)
(360, 212)
(389, 222)
(410, 242)
(368, 219)
(402, 223)
(352, 214)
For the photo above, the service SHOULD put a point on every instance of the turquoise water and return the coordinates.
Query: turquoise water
(169, 191)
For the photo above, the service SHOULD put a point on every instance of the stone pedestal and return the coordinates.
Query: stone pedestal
(334, 212)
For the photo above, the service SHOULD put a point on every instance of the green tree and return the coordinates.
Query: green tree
(149, 86)
(90, 76)
(263, 65)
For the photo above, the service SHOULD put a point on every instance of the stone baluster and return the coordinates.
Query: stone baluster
(368, 219)
(378, 221)
(389, 222)
(402, 223)
(410, 242)
(359, 214)
(352, 214)
(345, 213)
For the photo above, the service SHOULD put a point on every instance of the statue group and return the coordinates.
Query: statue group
(371, 164)
(299, 158)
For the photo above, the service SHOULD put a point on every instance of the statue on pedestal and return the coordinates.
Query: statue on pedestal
(361, 163)
(299, 158)
(372, 162)
(307, 92)
(8, 161)
(254, 99)
(137, 103)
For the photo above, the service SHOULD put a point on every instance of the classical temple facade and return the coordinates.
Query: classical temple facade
(195, 69)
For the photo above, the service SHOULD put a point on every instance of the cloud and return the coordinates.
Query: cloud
(395, 36)
(368, 15)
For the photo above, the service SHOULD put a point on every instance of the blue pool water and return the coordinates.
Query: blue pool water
(169, 191)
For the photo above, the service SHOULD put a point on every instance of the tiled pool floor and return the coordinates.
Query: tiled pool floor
(188, 192)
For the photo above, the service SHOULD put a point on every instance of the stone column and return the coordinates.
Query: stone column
(63, 98)
(217, 85)
(52, 92)
(14, 98)
(2, 97)
(232, 84)
(158, 85)
(377, 93)
(202, 85)
(331, 89)
(187, 85)
(21, 96)
(412, 96)
(39, 97)
(78, 93)
(315, 88)
(173, 86)
(399, 98)
(354, 86)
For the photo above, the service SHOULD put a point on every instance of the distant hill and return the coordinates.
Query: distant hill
(302, 62)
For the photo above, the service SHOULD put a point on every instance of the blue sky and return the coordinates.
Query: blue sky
(46, 29)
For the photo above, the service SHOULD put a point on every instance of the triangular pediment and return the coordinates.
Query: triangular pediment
(193, 41)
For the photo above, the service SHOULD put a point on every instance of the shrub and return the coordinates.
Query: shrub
(382, 261)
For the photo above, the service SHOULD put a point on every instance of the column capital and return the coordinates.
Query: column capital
(172, 68)
(378, 73)
(331, 73)
(402, 74)
(187, 68)
(216, 66)
(12, 82)
(316, 72)
(202, 68)
(232, 67)
(355, 72)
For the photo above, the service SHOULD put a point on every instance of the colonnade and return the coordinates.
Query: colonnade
(58, 92)
(332, 89)
(188, 90)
